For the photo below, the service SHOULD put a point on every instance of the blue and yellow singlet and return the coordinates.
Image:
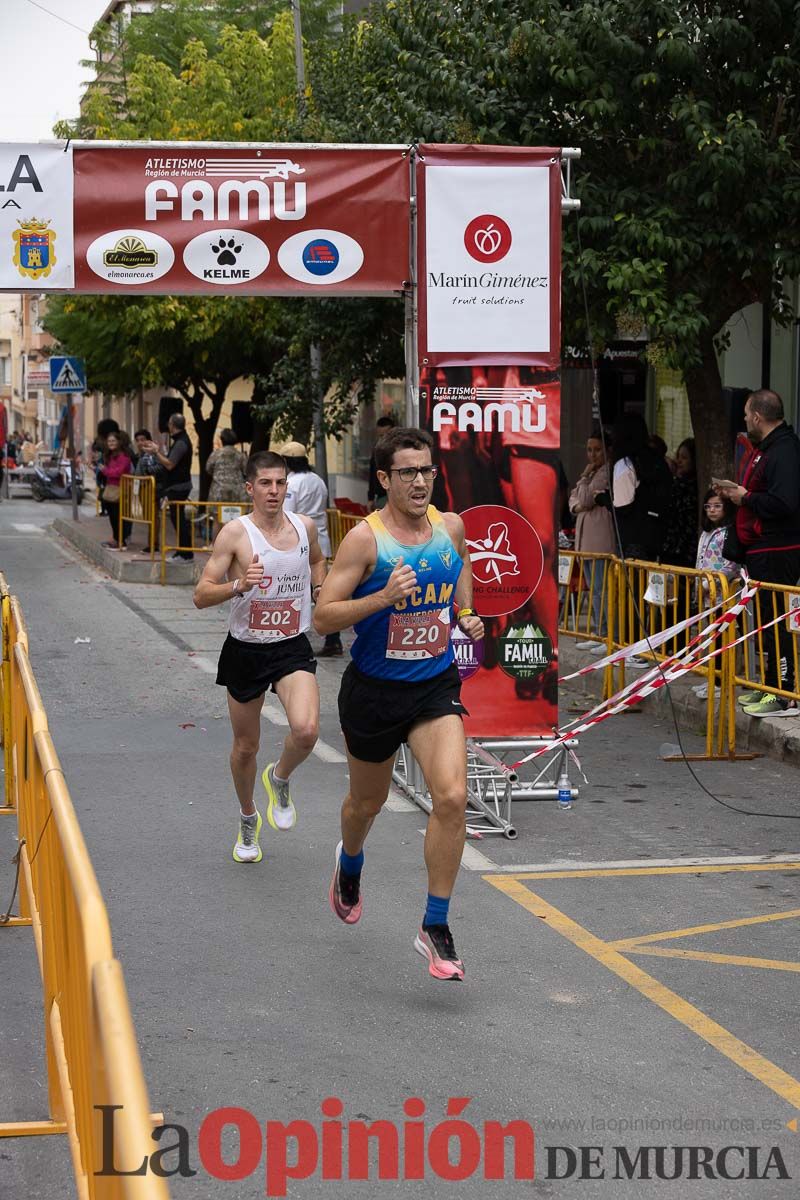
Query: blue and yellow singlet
(411, 640)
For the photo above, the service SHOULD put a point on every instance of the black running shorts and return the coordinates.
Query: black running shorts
(248, 669)
(377, 715)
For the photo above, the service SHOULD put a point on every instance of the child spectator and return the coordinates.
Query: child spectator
(718, 515)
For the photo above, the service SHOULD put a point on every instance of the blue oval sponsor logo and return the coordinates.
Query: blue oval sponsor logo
(320, 256)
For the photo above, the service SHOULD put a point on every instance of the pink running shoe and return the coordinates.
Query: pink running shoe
(345, 894)
(436, 944)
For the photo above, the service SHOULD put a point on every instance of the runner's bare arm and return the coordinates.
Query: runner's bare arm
(472, 626)
(221, 579)
(354, 561)
(316, 559)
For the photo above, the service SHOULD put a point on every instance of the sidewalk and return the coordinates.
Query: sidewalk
(134, 565)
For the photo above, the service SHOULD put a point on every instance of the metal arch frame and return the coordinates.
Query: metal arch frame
(492, 784)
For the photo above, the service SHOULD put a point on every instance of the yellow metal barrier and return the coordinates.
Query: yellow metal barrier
(617, 604)
(137, 504)
(758, 668)
(90, 1045)
(201, 520)
(339, 523)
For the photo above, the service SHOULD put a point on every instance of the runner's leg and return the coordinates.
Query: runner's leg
(439, 746)
(299, 695)
(246, 725)
(369, 787)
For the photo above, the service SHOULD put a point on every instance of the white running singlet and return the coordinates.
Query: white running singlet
(280, 606)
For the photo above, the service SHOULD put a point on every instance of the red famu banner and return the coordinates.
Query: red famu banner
(254, 220)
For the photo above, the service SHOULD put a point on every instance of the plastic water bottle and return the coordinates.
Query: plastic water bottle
(564, 791)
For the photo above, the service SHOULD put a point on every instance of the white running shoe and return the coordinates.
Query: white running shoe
(281, 812)
(247, 848)
(590, 645)
(600, 648)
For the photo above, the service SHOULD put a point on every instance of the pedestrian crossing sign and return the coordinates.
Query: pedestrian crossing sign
(67, 375)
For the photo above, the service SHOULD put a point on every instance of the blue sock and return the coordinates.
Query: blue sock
(351, 864)
(436, 910)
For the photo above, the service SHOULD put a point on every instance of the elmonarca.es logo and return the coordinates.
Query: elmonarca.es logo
(487, 238)
(130, 256)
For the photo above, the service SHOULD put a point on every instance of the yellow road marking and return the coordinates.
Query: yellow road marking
(733, 960)
(629, 943)
(721, 1039)
(601, 872)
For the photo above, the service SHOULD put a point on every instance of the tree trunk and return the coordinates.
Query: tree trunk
(710, 418)
(206, 427)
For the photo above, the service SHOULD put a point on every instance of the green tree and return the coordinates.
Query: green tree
(195, 344)
(687, 117)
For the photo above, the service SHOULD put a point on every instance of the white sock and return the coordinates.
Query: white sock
(277, 777)
(248, 816)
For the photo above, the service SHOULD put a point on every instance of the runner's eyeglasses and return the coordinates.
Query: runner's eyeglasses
(409, 474)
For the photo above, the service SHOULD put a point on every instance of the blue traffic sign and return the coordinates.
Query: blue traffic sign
(67, 375)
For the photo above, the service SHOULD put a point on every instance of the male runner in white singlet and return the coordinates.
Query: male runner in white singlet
(270, 566)
(402, 577)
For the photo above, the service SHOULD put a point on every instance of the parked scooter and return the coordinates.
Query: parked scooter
(54, 482)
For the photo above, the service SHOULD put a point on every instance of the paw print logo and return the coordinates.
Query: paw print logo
(227, 252)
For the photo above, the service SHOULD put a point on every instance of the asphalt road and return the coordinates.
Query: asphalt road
(245, 991)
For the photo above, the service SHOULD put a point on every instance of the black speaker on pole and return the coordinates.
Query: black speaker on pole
(167, 407)
(242, 420)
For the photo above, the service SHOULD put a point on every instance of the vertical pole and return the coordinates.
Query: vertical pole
(411, 303)
(71, 456)
(317, 404)
(299, 62)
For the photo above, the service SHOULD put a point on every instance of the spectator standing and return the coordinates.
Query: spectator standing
(718, 516)
(641, 486)
(680, 539)
(768, 533)
(116, 464)
(307, 495)
(177, 464)
(226, 467)
(376, 492)
(594, 529)
(146, 462)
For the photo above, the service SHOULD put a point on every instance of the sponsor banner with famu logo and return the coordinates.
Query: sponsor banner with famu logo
(257, 220)
(35, 217)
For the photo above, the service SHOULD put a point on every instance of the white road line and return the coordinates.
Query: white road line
(204, 664)
(328, 753)
(473, 860)
(396, 802)
(27, 528)
(568, 864)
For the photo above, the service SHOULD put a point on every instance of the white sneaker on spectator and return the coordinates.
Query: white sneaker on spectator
(589, 645)
(599, 648)
(638, 663)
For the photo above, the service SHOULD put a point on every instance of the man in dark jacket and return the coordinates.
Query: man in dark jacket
(177, 482)
(768, 531)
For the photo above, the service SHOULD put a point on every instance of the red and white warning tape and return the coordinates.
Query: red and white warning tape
(660, 674)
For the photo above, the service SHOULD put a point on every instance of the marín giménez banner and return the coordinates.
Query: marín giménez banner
(489, 272)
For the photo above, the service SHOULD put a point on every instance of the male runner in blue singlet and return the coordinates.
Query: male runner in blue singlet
(397, 578)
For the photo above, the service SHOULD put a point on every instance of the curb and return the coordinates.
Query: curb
(120, 566)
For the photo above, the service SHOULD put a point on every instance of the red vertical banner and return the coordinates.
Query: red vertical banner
(489, 336)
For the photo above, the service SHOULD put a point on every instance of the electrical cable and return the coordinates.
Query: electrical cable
(596, 415)
(58, 17)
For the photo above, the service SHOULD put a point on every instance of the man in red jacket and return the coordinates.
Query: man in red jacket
(768, 531)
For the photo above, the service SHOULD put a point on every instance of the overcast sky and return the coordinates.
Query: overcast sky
(41, 78)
